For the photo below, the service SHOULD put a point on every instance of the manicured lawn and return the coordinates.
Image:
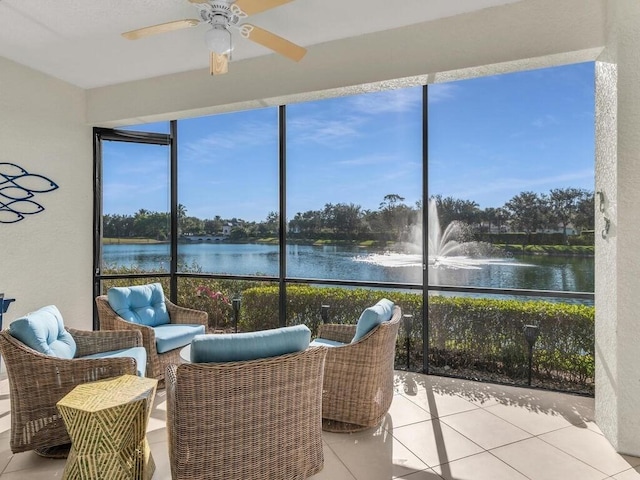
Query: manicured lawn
(550, 249)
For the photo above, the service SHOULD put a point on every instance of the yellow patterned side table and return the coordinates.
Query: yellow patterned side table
(107, 422)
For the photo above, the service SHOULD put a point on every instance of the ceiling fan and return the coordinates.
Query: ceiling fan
(221, 15)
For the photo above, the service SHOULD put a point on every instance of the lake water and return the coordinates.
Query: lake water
(352, 263)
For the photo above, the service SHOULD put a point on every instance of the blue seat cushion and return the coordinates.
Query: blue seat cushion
(372, 317)
(138, 353)
(141, 304)
(324, 342)
(236, 347)
(43, 330)
(172, 336)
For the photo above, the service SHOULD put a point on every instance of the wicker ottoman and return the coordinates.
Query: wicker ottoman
(107, 422)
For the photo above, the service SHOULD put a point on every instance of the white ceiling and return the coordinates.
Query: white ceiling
(79, 41)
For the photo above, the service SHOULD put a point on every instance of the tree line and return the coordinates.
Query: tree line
(394, 220)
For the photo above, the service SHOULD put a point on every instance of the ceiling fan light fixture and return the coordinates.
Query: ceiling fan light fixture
(218, 40)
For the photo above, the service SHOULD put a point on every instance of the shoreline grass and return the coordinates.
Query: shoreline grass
(130, 241)
(552, 250)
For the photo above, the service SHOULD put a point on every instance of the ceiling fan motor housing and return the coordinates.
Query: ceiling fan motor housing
(218, 13)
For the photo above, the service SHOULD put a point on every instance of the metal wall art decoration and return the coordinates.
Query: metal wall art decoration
(17, 190)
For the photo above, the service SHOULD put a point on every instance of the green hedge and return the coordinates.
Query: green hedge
(488, 334)
(469, 337)
(260, 305)
(466, 334)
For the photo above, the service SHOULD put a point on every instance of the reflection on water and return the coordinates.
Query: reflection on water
(354, 263)
(390, 259)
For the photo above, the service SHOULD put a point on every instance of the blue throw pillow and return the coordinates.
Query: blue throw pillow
(372, 317)
(236, 347)
(141, 304)
(43, 330)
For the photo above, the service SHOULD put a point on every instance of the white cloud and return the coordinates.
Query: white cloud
(440, 92)
(545, 121)
(334, 128)
(329, 132)
(369, 160)
(236, 135)
(390, 101)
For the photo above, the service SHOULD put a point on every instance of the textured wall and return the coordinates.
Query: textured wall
(606, 248)
(47, 257)
(617, 259)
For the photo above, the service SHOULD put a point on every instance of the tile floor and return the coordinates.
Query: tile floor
(437, 428)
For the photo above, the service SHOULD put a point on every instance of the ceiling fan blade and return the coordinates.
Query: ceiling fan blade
(251, 7)
(273, 41)
(218, 64)
(162, 28)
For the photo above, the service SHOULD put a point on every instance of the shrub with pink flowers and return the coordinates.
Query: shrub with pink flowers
(217, 304)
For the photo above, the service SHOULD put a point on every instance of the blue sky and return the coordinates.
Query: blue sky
(489, 139)
(493, 137)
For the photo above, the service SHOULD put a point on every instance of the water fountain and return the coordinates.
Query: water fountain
(443, 246)
(446, 249)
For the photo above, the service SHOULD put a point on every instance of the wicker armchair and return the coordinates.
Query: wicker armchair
(156, 362)
(37, 382)
(358, 377)
(246, 420)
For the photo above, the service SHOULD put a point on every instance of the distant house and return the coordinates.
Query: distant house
(571, 230)
(293, 228)
(226, 230)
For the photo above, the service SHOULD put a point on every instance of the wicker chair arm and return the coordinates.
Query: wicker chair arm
(148, 334)
(170, 380)
(90, 366)
(337, 332)
(62, 372)
(58, 376)
(184, 315)
(171, 376)
(88, 342)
